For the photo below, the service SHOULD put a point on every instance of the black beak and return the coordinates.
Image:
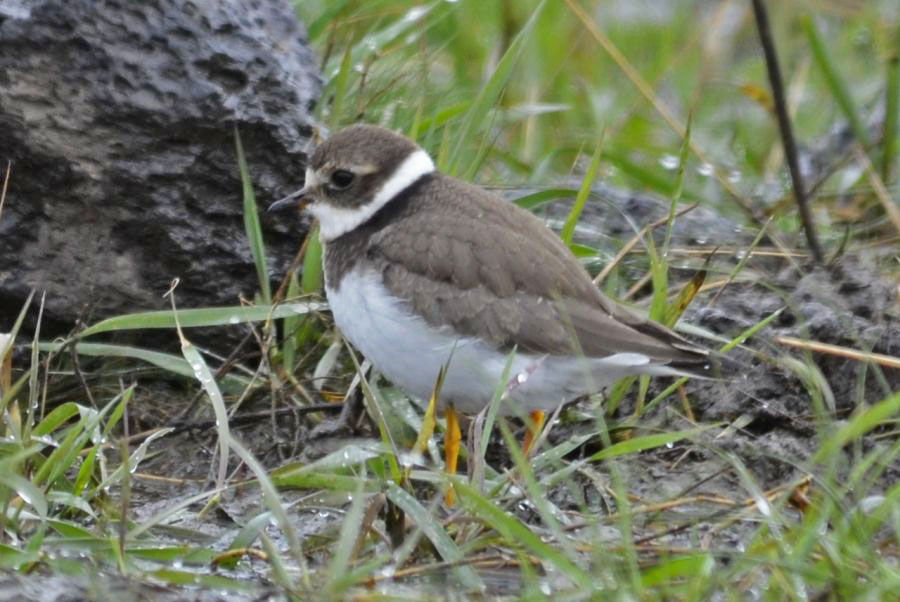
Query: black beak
(297, 199)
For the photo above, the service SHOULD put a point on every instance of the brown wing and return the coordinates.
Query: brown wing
(503, 276)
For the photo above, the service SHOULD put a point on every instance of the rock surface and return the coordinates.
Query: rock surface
(848, 304)
(118, 119)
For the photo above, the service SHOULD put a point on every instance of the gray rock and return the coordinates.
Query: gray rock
(849, 303)
(119, 118)
(612, 216)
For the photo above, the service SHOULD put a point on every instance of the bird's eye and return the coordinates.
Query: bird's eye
(341, 178)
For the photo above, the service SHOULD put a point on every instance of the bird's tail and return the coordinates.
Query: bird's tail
(702, 363)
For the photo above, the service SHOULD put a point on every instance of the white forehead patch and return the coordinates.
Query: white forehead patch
(335, 221)
(312, 180)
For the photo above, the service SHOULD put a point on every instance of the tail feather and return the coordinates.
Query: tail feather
(707, 364)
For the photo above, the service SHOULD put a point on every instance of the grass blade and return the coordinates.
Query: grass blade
(350, 530)
(341, 83)
(327, 481)
(203, 374)
(205, 316)
(738, 340)
(311, 278)
(24, 488)
(432, 529)
(891, 112)
(325, 18)
(270, 496)
(835, 81)
(645, 442)
(251, 223)
(490, 93)
(568, 229)
(536, 199)
(860, 424)
(687, 293)
(291, 325)
(624, 448)
(311, 281)
(512, 528)
(679, 185)
(373, 404)
(742, 261)
(166, 361)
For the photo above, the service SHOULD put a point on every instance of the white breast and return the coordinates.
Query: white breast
(410, 353)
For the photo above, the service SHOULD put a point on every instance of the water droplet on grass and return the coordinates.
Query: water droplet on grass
(415, 13)
(669, 161)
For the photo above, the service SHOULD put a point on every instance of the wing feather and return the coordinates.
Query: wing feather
(503, 276)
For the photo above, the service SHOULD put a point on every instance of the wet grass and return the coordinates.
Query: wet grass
(636, 498)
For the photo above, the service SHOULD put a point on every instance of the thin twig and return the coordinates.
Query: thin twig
(637, 286)
(723, 250)
(125, 492)
(784, 126)
(5, 184)
(881, 193)
(76, 365)
(744, 259)
(847, 352)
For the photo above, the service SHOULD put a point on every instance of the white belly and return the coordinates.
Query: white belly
(410, 353)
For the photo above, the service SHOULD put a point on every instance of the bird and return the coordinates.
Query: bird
(425, 271)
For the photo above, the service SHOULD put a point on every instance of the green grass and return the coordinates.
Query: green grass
(508, 92)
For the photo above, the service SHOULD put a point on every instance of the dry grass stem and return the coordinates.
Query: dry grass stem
(853, 354)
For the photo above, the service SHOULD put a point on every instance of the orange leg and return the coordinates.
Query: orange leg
(452, 437)
(532, 430)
